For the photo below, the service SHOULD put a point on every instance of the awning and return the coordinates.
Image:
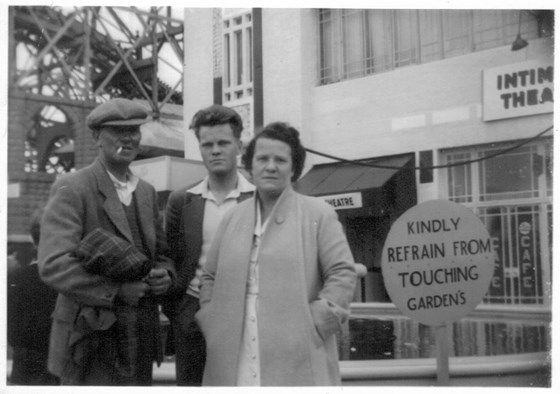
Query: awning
(337, 178)
(164, 137)
(168, 173)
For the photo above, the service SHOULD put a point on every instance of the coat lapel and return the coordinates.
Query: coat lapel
(112, 205)
(144, 203)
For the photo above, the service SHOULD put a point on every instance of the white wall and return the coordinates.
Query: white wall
(426, 107)
(434, 105)
(197, 71)
(289, 68)
(430, 106)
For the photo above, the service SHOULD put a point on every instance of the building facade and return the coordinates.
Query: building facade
(434, 102)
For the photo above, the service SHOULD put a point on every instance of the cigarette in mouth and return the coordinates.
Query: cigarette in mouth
(119, 150)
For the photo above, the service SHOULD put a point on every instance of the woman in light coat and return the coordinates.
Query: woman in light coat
(278, 279)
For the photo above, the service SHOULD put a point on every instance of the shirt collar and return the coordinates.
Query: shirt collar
(260, 228)
(243, 186)
(131, 181)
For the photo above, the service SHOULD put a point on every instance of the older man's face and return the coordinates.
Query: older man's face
(119, 144)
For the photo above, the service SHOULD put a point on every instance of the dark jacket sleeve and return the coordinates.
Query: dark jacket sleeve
(162, 252)
(175, 231)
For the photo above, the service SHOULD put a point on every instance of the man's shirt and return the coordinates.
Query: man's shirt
(213, 214)
(125, 189)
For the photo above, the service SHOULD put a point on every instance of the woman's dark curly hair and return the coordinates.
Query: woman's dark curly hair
(280, 131)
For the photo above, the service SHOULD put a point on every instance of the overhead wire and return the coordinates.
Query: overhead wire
(455, 164)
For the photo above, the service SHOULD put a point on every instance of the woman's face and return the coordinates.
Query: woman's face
(272, 167)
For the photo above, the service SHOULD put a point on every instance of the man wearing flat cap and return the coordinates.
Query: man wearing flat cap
(105, 327)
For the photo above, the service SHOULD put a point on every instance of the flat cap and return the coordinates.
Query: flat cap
(117, 112)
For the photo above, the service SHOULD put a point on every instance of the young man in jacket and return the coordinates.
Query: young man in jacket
(193, 215)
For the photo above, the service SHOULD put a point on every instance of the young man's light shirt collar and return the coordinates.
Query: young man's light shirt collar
(203, 189)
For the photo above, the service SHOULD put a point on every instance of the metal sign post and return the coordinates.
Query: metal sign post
(442, 348)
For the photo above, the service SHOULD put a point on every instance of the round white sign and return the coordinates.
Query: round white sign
(437, 262)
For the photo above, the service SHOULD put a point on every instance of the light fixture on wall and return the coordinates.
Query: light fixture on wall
(519, 42)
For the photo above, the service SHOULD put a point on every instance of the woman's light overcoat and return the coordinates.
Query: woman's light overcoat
(306, 282)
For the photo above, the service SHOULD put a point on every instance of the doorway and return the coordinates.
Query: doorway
(366, 236)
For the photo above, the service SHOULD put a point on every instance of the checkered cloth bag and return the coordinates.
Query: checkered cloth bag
(106, 254)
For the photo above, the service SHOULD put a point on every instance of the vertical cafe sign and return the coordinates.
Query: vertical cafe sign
(519, 89)
(437, 262)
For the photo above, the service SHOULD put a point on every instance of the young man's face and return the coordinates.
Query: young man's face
(219, 149)
(119, 144)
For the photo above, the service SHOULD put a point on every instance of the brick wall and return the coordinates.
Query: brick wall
(34, 187)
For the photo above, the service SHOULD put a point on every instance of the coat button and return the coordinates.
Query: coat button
(279, 219)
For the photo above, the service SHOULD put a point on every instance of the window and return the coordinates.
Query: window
(238, 57)
(49, 146)
(515, 234)
(511, 193)
(355, 43)
(513, 175)
(459, 177)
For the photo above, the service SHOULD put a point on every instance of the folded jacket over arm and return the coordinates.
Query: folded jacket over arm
(106, 254)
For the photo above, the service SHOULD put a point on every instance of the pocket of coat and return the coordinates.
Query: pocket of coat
(315, 331)
(319, 342)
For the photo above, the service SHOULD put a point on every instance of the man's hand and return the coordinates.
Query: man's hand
(131, 292)
(159, 281)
